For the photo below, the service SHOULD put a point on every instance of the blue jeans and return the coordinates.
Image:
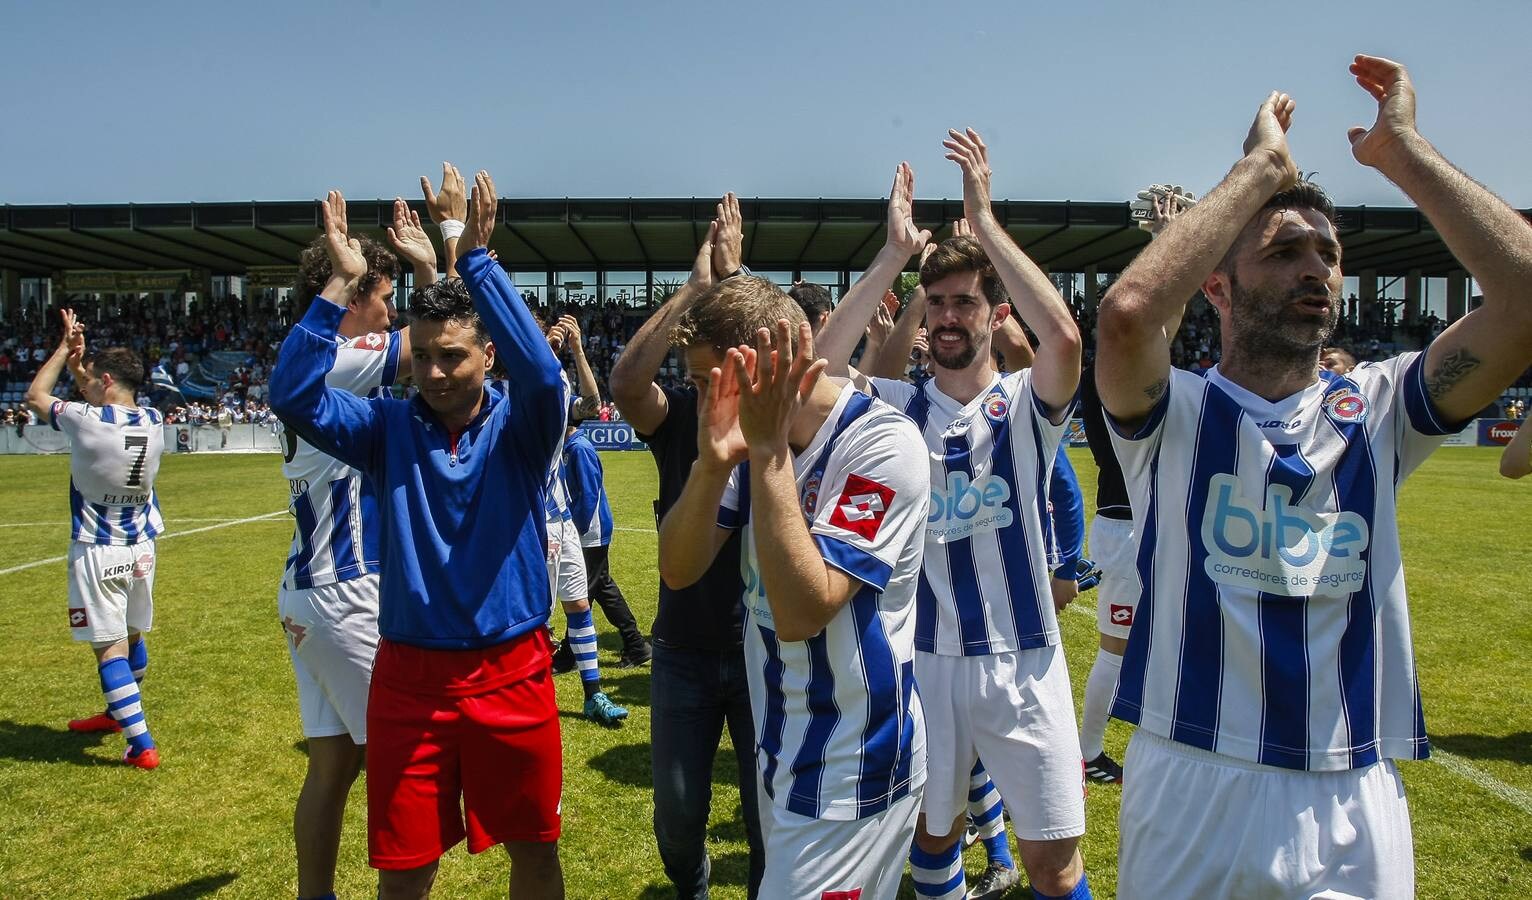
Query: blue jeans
(693, 694)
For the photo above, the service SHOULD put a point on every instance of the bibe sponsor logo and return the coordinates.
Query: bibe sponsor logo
(1280, 548)
(755, 592)
(968, 507)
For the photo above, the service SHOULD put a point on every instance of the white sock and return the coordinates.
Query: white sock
(1099, 687)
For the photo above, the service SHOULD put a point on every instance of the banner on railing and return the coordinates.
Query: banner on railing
(612, 436)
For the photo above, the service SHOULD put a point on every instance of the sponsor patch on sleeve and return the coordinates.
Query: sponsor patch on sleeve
(862, 506)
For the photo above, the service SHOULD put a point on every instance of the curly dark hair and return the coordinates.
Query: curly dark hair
(958, 255)
(447, 301)
(314, 270)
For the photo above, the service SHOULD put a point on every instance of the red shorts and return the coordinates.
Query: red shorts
(480, 725)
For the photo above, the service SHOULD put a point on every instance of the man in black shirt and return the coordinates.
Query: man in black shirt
(698, 683)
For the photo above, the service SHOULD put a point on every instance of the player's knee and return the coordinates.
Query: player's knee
(938, 843)
(106, 650)
(576, 606)
(334, 762)
(1052, 866)
(534, 855)
(1115, 645)
(406, 884)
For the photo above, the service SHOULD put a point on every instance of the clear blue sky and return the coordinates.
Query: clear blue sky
(277, 100)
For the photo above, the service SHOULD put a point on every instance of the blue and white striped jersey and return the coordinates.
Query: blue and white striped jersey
(556, 492)
(113, 459)
(585, 482)
(839, 729)
(1273, 625)
(336, 538)
(984, 588)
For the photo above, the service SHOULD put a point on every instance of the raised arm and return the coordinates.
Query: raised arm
(409, 240)
(1516, 461)
(1133, 348)
(337, 422)
(71, 346)
(588, 400)
(1056, 369)
(684, 554)
(847, 324)
(449, 210)
(1480, 354)
(519, 342)
(638, 398)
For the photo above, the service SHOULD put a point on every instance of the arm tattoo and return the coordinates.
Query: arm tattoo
(1454, 367)
(1157, 390)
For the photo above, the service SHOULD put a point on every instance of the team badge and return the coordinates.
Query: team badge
(862, 506)
(995, 408)
(811, 496)
(1346, 406)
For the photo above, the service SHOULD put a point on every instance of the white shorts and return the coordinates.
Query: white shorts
(332, 636)
(1112, 548)
(111, 590)
(1198, 824)
(809, 859)
(1014, 711)
(569, 582)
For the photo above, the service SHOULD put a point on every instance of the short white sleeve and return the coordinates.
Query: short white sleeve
(874, 499)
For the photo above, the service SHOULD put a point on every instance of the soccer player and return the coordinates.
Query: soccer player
(566, 561)
(592, 515)
(1270, 669)
(698, 685)
(1516, 459)
(1337, 359)
(989, 663)
(461, 719)
(328, 600)
(114, 456)
(829, 488)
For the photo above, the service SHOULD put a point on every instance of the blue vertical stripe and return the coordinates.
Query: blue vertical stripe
(962, 567)
(372, 526)
(109, 415)
(1128, 699)
(342, 540)
(809, 763)
(880, 735)
(308, 527)
(76, 513)
(103, 516)
(1284, 641)
(776, 709)
(1356, 489)
(134, 418)
(390, 360)
(927, 614)
(127, 520)
(907, 692)
(150, 529)
(1199, 683)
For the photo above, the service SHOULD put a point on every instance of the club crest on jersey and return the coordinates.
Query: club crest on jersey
(811, 496)
(995, 408)
(1346, 406)
(862, 506)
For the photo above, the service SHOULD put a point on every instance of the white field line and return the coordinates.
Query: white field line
(1453, 763)
(164, 537)
(637, 530)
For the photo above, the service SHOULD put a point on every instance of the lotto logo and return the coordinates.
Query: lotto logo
(373, 342)
(77, 617)
(294, 629)
(1121, 615)
(862, 506)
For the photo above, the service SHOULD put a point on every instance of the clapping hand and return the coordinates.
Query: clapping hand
(728, 242)
(967, 149)
(409, 239)
(451, 202)
(903, 235)
(1268, 135)
(347, 264)
(482, 210)
(772, 390)
(1389, 84)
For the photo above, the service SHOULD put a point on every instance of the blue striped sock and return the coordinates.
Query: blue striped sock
(122, 702)
(1081, 892)
(939, 875)
(582, 639)
(138, 659)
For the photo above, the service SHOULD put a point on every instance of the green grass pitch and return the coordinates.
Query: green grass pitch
(215, 818)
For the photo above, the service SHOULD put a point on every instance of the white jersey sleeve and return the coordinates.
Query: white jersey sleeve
(336, 535)
(113, 461)
(873, 502)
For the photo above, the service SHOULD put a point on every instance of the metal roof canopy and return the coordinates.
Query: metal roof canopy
(656, 234)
